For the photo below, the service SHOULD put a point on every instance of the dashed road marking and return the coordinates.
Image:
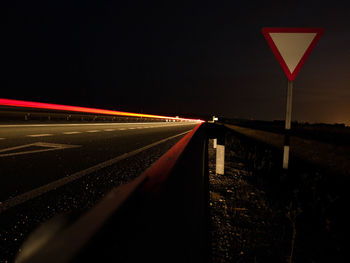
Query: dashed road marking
(122, 129)
(109, 129)
(72, 132)
(45, 147)
(93, 131)
(39, 135)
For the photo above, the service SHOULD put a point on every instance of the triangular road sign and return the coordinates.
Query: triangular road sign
(292, 46)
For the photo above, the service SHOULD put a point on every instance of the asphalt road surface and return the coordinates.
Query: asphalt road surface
(35, 155)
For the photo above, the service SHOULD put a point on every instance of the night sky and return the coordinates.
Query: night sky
(187, 58)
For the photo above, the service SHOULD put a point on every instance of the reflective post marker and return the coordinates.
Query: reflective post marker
(220, 159)
(287, 125)
(220, 155)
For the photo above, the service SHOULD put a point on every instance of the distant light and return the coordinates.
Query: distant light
(214, 119)
(40, 105)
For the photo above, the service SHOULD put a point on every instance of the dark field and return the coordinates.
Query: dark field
(308, 201)
(338, 134)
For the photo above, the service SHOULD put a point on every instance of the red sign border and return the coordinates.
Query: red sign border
(291, 75)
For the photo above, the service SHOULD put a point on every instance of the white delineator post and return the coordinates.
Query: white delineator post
(220, 159)
(287, 125)
(214, 143)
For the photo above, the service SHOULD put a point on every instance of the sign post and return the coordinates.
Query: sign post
(287, 125)
(291, 47)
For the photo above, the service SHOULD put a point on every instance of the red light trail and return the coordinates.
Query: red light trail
(40, 105)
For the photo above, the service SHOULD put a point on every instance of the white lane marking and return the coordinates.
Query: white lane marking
(93, 131)
(72, 132)
(122, 129)
(45, 145)
(109, 129)
(19, 199)
(39, 135)
(131, 128)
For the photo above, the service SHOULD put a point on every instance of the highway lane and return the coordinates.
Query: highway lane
(37, 154)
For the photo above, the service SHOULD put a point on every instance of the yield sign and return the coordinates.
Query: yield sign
(292, 46)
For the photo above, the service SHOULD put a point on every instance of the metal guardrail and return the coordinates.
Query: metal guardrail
(8, 114)
(330, 157)
(161, 216)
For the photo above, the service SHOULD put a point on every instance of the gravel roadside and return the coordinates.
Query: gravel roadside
(244, 225)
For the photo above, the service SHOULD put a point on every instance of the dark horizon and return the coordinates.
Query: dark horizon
(186, 59)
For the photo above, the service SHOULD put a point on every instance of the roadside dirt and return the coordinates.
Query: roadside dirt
(244, 225)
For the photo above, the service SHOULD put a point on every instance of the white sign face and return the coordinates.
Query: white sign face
(292, 46)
